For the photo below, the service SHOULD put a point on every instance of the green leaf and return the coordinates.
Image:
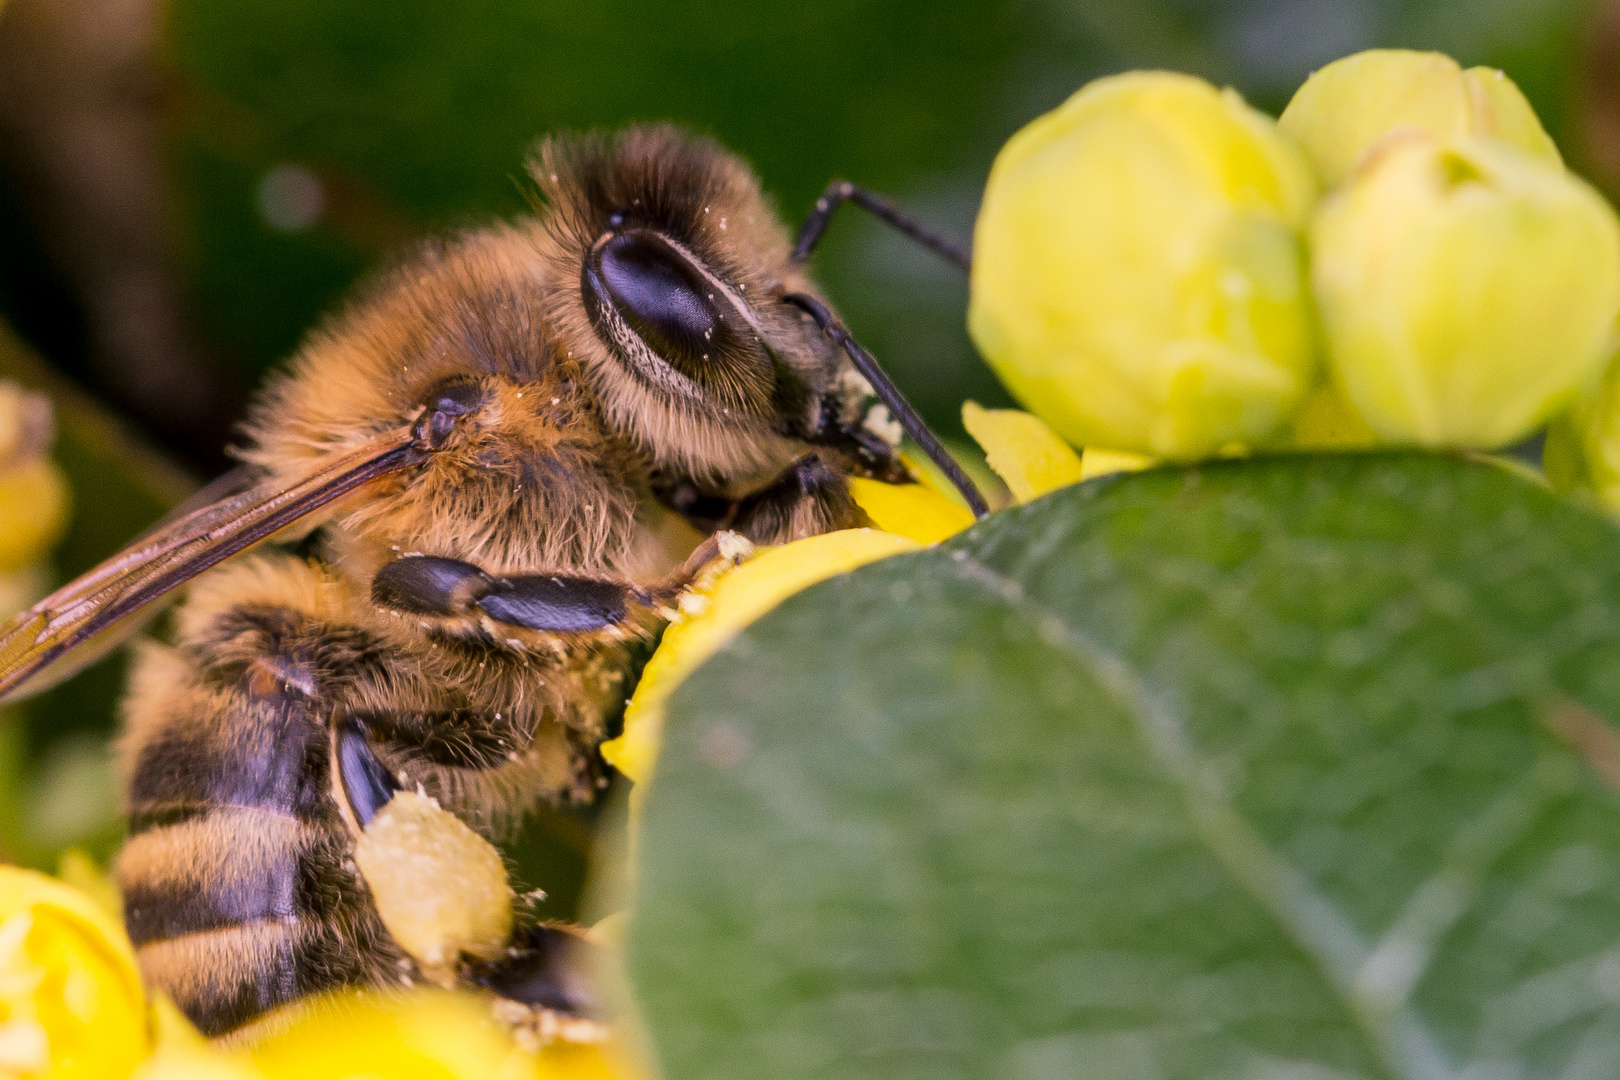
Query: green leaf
(1287, 768)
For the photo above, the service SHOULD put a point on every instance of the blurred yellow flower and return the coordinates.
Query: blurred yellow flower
(71, 1003)
(1023, 451)
(423, 1033)
(181, 1052)
(72, 1006)
(33, 492)
(1349, 105)
(1467, 290)
(1138, 278)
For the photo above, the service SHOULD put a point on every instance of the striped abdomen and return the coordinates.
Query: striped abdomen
(239, 891)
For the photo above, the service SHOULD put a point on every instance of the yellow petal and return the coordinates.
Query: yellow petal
(183, 1054)
(1096, 461)
(916, 511)
(931, 476)
(1022, 450)
(718, 608)
(71, 1003)
(1502, 112)
(424, 1033)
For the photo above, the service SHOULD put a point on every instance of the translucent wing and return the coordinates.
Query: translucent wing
(85, 618)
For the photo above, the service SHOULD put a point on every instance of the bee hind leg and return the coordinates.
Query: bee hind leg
(541, 972)
(367, 784)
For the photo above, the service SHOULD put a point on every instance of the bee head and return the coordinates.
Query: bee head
(671, 270)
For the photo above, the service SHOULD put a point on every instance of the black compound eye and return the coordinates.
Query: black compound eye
(661, 296)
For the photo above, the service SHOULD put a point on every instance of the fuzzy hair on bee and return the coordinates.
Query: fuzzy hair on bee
(502, 463)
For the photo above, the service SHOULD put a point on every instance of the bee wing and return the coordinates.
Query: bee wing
(85, 618)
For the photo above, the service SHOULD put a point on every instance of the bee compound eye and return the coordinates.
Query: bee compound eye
(660, 295)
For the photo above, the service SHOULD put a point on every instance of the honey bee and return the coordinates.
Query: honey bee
(500, 465)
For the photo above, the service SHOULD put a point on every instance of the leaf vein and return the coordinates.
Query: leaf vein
(1322, 932)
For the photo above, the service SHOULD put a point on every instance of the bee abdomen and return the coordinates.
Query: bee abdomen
(240, 893)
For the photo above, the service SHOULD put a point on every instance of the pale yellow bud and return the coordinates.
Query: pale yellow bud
(1582, 452)
(1347, 107)
(1467, 291)
(1138, 281)
(1325, 421)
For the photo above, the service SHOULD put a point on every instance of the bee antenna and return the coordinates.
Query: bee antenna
(890, 395)
(841, 191)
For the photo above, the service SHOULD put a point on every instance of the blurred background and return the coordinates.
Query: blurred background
(186, 186)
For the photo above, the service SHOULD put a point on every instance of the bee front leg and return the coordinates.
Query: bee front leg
(810, 497)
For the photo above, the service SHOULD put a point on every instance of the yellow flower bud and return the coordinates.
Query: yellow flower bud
(1582, 452)
(1022, 450)
(1137, 277)
(1326, 421)
(1348, 106)
(1467, 291)
(440, 888)
(71, 1003)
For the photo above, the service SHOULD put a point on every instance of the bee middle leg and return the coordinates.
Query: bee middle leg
(562, 603)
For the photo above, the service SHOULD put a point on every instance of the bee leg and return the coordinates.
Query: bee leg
(431, 585)
(367, 784)
(543, 968)
(542, 965)
(807, 499)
